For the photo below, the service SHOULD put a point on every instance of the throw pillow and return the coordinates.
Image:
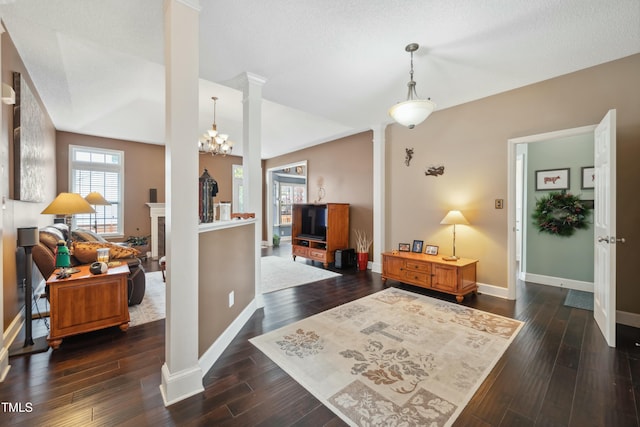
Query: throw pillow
(82, 235)
(86, 252)
(49, 236)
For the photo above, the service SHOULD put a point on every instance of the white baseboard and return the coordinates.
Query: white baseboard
(12, 331)
(375, 267)
(215, 351)
(9, 335)
(629, 319)
(492, 290)
(4, 362)
(559, 282)
(178, 386)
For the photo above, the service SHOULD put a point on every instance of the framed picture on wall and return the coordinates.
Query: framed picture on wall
(552, 179)
(588, 177)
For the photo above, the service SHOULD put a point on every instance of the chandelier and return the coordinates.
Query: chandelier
(212, 142)
(413, 111)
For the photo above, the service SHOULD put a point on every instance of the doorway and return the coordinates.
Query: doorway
(286, 186)
(522, 196)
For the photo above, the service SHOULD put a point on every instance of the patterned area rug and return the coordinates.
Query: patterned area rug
(280, 273)
(579, 299)
(152, 306)
(393, 357)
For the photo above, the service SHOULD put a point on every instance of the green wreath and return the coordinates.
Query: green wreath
(560, 214)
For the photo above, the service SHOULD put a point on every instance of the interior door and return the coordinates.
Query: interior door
(604, 292)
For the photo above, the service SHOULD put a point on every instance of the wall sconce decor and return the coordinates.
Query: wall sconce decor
(408, 155)
(434, 171)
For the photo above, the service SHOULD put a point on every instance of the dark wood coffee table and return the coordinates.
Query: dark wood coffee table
(85, 302)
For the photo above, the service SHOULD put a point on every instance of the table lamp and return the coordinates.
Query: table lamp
(96, 199)
(67, 204)
(453, 217)
(28, 237)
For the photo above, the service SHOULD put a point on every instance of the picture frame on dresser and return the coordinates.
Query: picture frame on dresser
(417, 246)
(404, 247)
(431, 250)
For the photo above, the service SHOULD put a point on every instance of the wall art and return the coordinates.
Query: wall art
(552, 179)
(28, 144)
(588, 177)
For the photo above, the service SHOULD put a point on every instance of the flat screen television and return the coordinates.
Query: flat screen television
(314, 222)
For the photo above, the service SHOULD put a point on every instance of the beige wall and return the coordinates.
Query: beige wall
(224, 266)
(143, 169)
(470, 140)
(346, 167)
(17, 213)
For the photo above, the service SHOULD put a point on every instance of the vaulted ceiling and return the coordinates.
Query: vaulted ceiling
(333, 68)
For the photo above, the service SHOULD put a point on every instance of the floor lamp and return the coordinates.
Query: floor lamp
(454, 217)
(28, 237)
(96, 199)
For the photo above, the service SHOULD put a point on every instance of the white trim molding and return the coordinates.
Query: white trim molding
(628, 319)
(493, 290)
(215, 351)
(559, 282)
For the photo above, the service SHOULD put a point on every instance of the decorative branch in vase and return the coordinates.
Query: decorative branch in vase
(363, 244)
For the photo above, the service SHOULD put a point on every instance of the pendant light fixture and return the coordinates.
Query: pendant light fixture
(413, 111)
(212, 142)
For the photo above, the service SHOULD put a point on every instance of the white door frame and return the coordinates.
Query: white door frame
(270, 195)
(512, 270)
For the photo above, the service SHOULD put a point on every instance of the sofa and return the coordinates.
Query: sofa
(83, 247)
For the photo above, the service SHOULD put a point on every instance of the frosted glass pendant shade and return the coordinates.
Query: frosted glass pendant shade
(412, 112)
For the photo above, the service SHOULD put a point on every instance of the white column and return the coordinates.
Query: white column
(251, 162)
(181, 373)
(379, 197)
(4, 351)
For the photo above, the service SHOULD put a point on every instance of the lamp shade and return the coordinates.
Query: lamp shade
(95, 198)
(28, 236)
(412, 112)
(454, 217)
(68, 204)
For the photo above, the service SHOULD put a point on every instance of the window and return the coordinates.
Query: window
(101, 170)
(238, 192)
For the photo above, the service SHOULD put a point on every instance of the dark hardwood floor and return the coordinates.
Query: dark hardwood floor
(558, 371)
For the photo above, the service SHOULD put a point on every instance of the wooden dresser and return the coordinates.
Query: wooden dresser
(432, 272)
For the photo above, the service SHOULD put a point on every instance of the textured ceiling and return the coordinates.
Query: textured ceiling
(333, 67)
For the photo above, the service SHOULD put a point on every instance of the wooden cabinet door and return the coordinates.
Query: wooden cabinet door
(444, 277)
(392, 267)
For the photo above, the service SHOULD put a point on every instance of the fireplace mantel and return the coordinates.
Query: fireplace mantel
(156, 210)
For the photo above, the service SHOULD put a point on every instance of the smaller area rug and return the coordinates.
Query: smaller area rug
(579, 299)
(393, 358)
(281, 273)
(152, 306)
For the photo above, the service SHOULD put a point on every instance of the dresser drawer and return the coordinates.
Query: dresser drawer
(300, 250)
(417, 277)
(418, 266)
(317, 254)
